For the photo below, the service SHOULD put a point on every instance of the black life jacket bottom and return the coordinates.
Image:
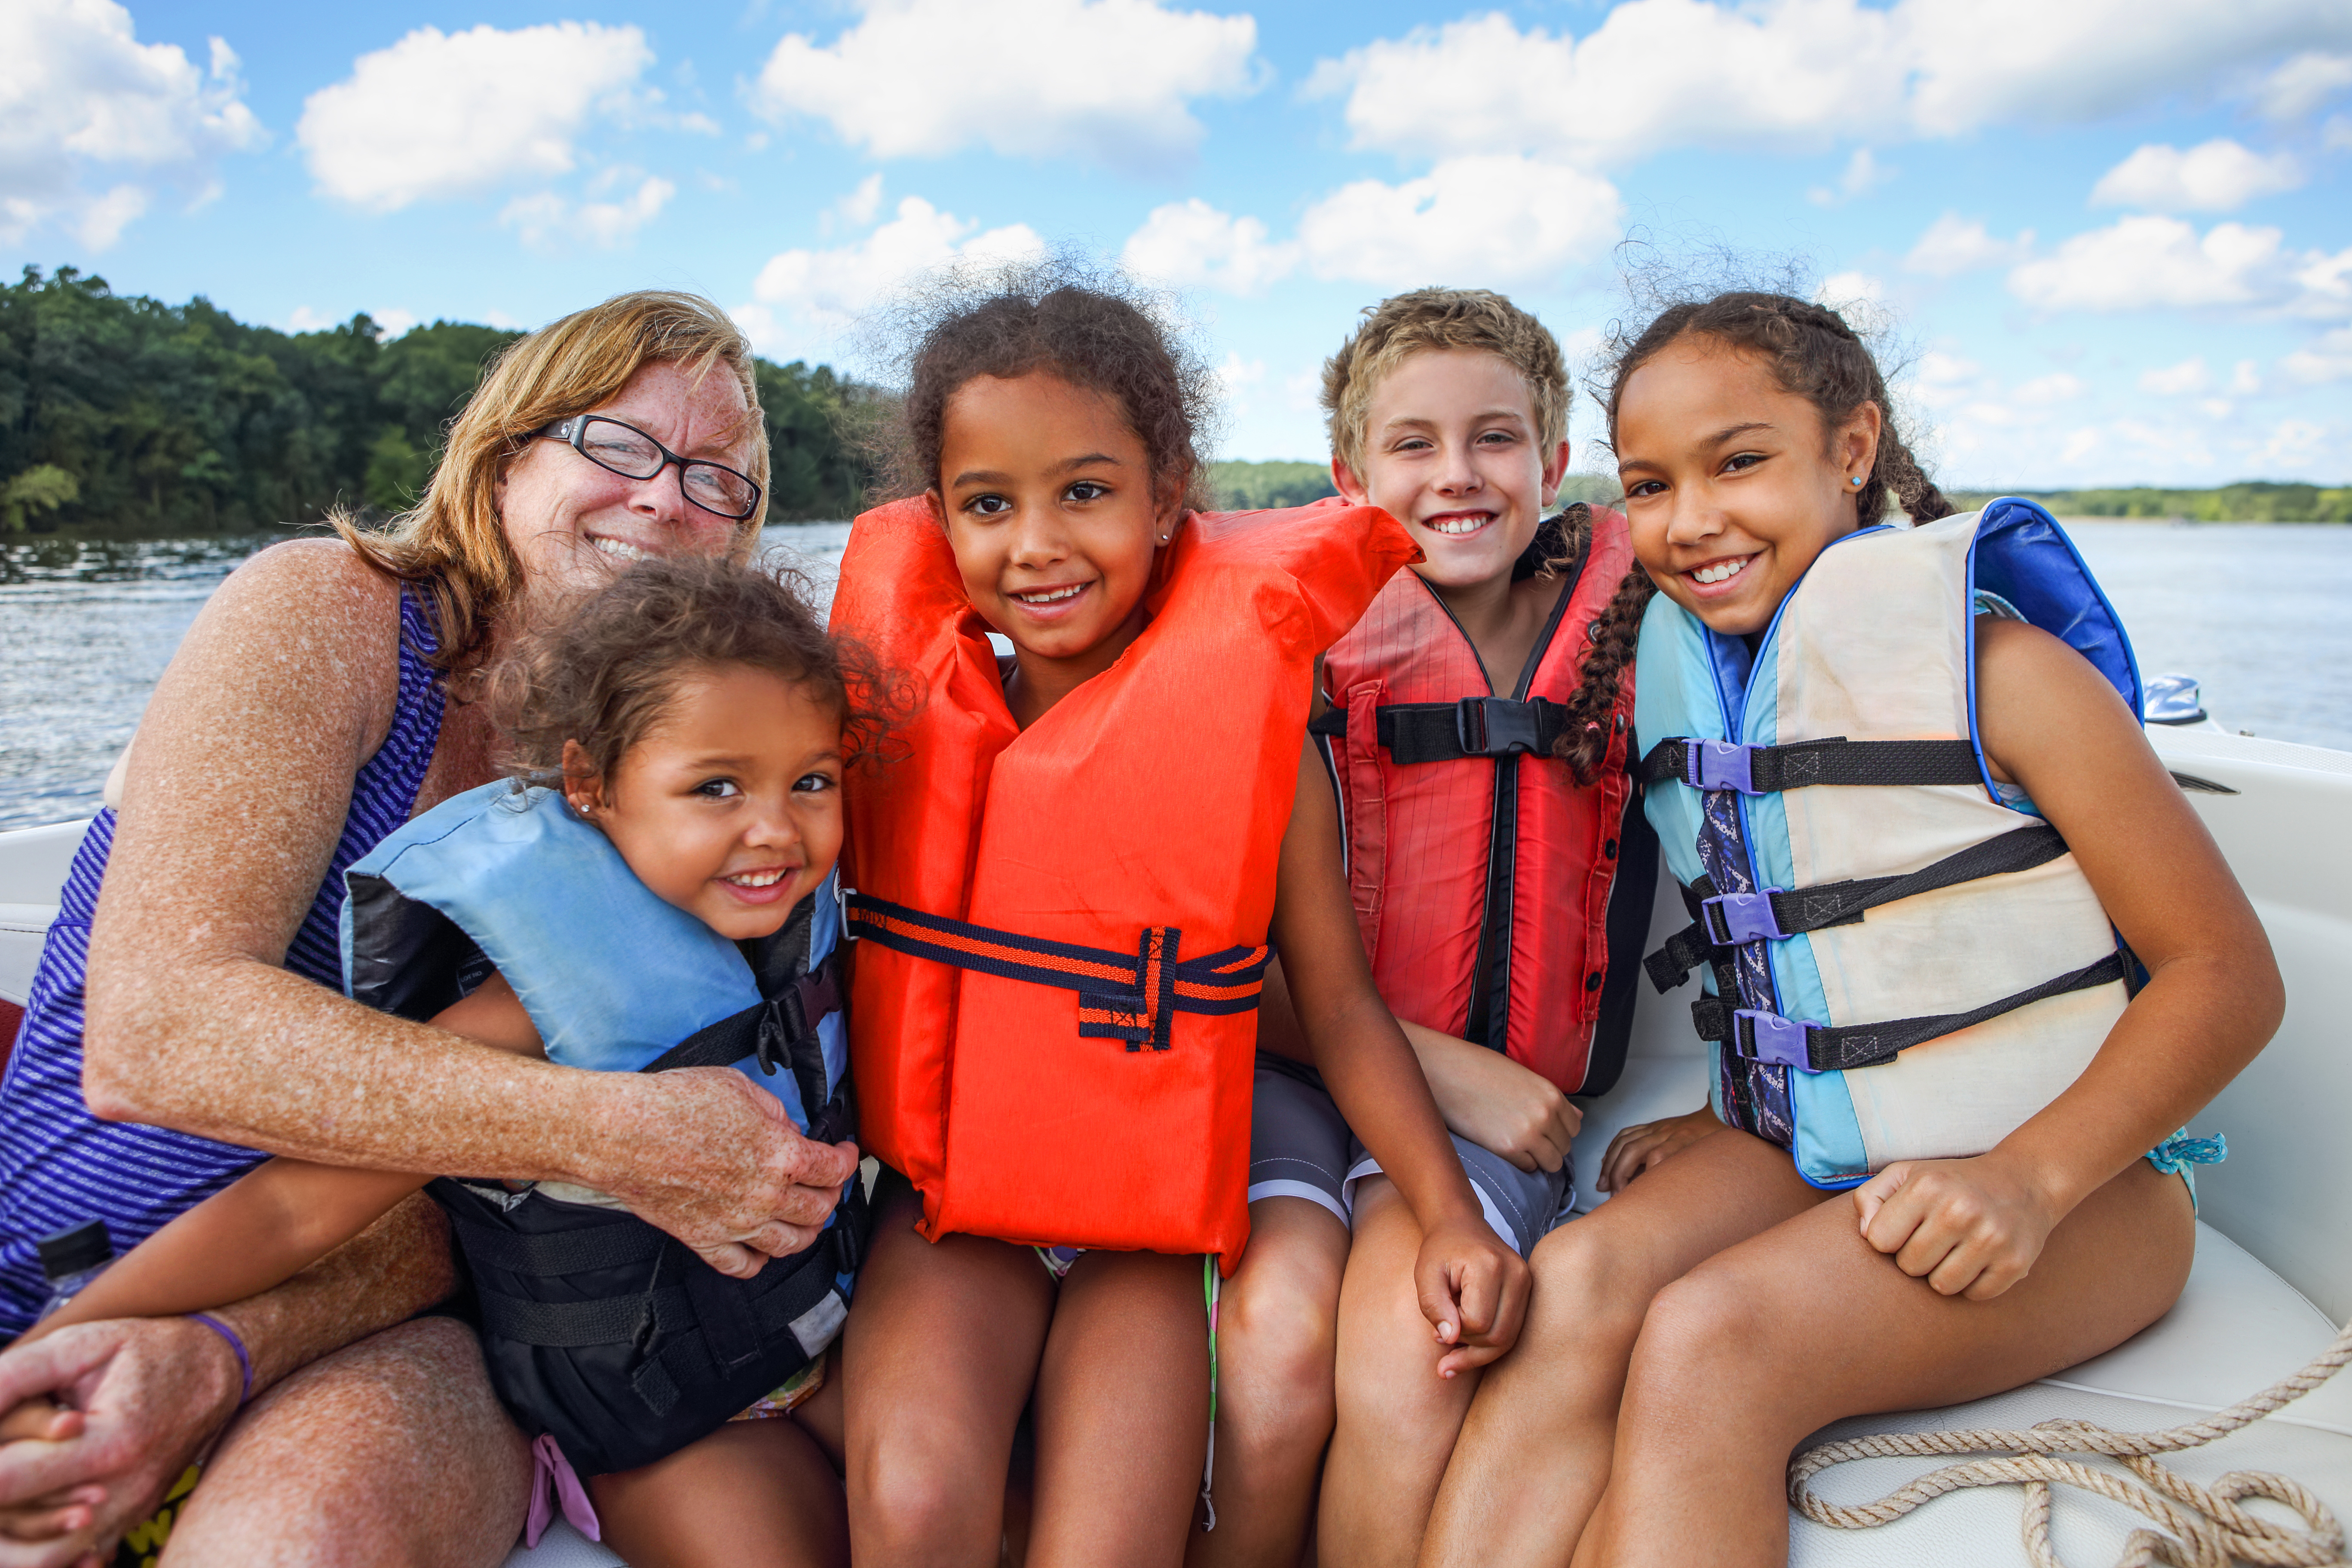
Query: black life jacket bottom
(611, 1336)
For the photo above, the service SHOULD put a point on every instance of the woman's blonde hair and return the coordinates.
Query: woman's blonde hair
(452, 545)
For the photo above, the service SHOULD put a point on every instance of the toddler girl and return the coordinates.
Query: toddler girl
(653, 891)
(1900, 774)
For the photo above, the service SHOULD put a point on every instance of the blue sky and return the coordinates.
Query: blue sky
(2112, 236)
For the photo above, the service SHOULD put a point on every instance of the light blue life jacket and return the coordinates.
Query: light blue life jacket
(612, 977)
(597, 1329)
(1900, 965)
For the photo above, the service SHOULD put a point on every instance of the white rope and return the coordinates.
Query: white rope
(2208, 1529)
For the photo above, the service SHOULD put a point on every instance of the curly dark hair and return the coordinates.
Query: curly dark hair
(602, 672)
(1091, 326)
(1813, 353)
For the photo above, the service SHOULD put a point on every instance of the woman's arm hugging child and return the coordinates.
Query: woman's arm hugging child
(654, 890)
(1475, 724)
(1902, 772)
(1065, 901)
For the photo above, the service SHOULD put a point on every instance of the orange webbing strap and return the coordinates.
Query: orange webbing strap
(1121, 996)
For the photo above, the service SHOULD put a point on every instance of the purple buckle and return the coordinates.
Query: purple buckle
(1719, 765)
(1770, 1038)
(1734, 918)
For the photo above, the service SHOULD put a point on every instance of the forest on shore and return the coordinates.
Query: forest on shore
(122, 416)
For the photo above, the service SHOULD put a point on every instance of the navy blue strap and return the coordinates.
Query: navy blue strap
(1121, 996)
(1767, 770)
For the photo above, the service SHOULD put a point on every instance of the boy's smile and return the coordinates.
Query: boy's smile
(1451, 451)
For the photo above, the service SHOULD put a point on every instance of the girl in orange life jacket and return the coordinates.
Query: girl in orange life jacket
(692, 713)
(1483, 885)
(1720, 1306)
(1048, 426)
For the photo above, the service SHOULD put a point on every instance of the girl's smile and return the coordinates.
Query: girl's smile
(1732, 488)
(1054, 517)
(729, 807)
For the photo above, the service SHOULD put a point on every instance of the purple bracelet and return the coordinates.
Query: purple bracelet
(244, 1361)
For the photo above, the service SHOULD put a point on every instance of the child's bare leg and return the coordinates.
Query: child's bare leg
(750, 1495)
(937, 1358)
(1278, 1321)
(1533, 1454)
(1123, 1413)
(1398, 1418)
(1777, 1337)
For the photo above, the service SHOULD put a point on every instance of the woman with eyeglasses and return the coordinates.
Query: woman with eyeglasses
(188, 1017)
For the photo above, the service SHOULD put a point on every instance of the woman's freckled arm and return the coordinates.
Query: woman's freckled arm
(235, 797)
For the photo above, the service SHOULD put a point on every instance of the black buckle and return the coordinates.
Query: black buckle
(1495, 726)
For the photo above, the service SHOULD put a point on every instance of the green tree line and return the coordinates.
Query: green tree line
(126, 415)
(2256, 501)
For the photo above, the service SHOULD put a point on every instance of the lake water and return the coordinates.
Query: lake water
(2259, 613)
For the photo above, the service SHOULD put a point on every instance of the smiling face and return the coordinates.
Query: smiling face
(1050, 506)
(1732, 487)
(1451, 451)
(567, 519)
(729, 806)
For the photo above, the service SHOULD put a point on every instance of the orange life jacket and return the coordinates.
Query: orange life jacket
(1470, 847)
(1062, 929)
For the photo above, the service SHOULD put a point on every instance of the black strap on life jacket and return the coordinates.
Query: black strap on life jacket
(776, 1030)
(1124, 997)
(1767, 770)
(1727, 920)
(1449, 732)
(1821, 1047)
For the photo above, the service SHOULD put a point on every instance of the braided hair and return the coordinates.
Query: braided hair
(1815, 356)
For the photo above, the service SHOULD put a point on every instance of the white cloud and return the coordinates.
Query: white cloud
(829, 287)
(2245, 380)
(1942, 381)
(548, 218)
(2217, 176)
(2044, 390)
(439, 113)
(392, 323)
(1110, 80)
(2327, 358)
(1953, 245)
(1493, 220)
(1864, 174)
(2143, 262)
(1190, 244)
(860, 206)
(2177, 380)
(92, 122)
(1798, 73)
(2302, 84)
(1859, 296)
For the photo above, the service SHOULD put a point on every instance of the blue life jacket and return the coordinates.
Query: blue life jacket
(596, 1327)
(1899, 965)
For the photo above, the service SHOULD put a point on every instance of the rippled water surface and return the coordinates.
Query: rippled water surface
(2259, 613)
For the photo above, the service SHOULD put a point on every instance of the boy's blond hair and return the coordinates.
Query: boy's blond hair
(1427, 320)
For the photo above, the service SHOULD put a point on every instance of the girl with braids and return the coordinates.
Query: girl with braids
(1482, 858)
(1938, 1161)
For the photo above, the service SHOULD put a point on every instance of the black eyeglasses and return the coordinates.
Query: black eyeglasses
(625, 451)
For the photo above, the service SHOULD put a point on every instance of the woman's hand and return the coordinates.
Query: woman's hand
(1473, 1289)
(1968, 1227)
(1494, 1103)
(148, 1393)
(1637, 1148)
(718, 1164)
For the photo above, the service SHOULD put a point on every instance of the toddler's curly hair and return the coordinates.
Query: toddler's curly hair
(602, 672)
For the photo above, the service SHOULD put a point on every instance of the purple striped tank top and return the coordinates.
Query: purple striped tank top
(61, 1166)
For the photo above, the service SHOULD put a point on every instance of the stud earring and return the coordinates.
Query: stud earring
(1857, 480)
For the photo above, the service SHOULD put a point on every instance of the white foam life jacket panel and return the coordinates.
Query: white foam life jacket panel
(1901, 966)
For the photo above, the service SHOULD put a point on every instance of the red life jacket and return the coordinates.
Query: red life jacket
(1470, 848)
(1062, 929)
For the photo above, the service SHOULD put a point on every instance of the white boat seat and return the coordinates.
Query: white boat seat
(2237, 1328)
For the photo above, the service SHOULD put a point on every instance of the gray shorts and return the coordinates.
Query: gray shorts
(1301, 1148)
